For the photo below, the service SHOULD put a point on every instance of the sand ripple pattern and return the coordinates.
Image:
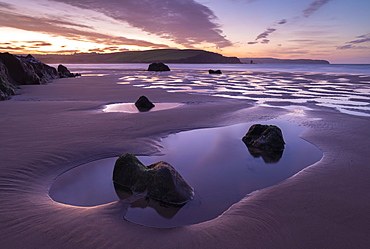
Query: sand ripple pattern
(346, 93)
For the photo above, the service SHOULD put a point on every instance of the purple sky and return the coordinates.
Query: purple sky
(336, 30)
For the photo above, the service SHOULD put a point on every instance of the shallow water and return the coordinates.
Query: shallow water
(345, 88)
(131, 108)
(215, 162)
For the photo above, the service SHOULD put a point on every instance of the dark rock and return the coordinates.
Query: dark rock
(65, 73)
(23, 70)
(264, 137)
(160, 181)
(210, 71)
(26, 70)
(144, 104)
(158, 66)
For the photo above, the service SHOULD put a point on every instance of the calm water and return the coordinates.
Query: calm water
(215, 162)
(318, 68)
(344, 88)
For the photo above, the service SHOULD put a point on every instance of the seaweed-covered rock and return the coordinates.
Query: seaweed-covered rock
(158, 66)
(210, 71)
(264, 137)
(160, 181)
(144, 104)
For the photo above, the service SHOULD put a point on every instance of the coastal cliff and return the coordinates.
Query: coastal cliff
(150, 56)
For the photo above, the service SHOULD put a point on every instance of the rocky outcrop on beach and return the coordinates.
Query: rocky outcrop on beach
(18, 70)
(160, 181)
(143, 104)
(65, 73)
(158, 66)
(264, 137)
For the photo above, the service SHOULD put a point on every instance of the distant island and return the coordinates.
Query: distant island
(281, 61)
(148, 56)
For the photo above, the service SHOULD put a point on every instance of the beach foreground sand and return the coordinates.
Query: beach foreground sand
(49, 129)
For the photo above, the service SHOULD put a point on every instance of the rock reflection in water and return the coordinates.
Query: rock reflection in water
(267, 156)
(165, 210)
(213, 161)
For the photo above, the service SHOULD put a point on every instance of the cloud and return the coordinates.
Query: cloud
(314, 6)
(184, 22)
(265, 34)
(6, 6)
(66, 29)
(361, 39)
(283, 21)
(353, 44)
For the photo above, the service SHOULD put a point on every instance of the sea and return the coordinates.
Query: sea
(341, 87)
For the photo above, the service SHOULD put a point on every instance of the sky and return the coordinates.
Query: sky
(334, 30)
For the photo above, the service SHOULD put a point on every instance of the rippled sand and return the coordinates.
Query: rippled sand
(346, 93)
(49, 129)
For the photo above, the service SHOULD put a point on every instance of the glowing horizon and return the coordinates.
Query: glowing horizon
(333, 30)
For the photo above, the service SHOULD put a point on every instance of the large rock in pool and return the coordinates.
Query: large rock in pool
(144, 104)
(158, 66)
(264, 137)
(160, 181)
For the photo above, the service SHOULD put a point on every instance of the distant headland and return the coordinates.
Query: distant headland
(148, 56)
(190, 56)
(281, 61)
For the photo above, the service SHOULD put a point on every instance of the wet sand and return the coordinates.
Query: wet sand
(49, 129)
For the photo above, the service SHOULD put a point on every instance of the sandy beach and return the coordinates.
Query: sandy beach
(49, 129)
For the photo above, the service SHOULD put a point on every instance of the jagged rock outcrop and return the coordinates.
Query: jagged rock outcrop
(144, 104)
(160, 181)
(65, 73)
(158, 66)
(22, 70)
(210, 71)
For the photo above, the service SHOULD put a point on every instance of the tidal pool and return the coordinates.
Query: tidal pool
(131, 108)
(214, 161)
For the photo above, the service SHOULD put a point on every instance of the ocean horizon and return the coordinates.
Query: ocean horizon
(363, 69)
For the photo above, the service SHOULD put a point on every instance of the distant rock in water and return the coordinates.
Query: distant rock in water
(210, 71)
(265, 137)
(65, 73)
(160, 181)
(158, 66)
(144, 104)
(22, 70)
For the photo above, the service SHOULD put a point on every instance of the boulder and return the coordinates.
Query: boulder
(160, 181)
(264, 137)
(158, 66)
(210, 71)
(144, 104)
(65, 73)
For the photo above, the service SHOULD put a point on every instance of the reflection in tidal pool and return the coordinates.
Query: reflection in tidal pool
(131, 108)
(215, 162)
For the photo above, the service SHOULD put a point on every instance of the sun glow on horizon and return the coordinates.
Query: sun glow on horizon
(308, 29)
